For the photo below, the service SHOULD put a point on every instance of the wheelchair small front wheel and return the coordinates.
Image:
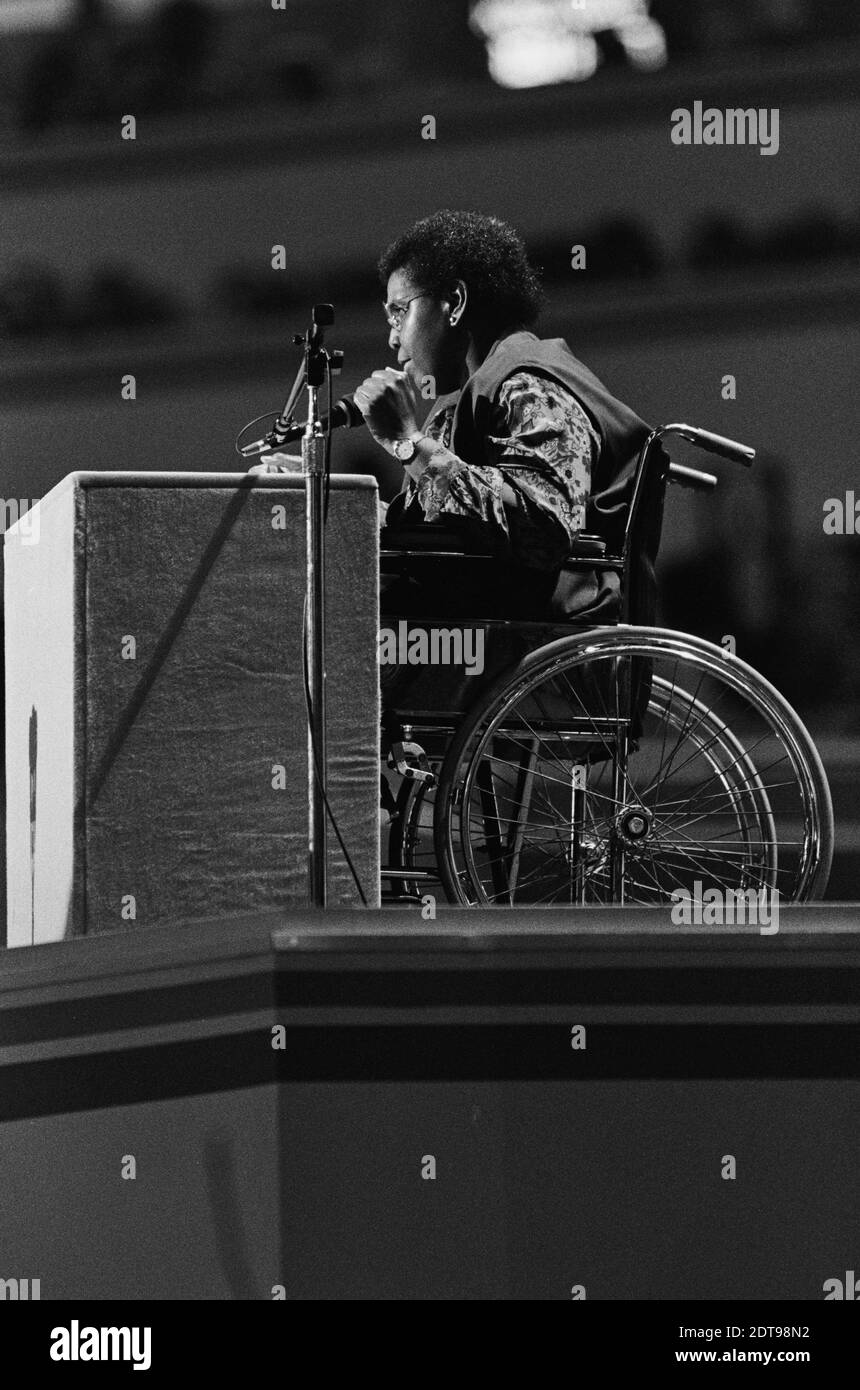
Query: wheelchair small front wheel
(621, 765)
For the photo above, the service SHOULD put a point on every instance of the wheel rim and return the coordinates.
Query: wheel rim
(723, 788)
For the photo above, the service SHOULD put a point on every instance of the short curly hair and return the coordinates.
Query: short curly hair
(484, 252)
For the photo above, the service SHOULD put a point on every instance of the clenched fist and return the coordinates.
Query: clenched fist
(389, 400)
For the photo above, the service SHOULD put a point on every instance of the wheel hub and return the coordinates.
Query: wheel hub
(633, 825)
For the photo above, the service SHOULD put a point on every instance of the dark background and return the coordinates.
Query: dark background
(303, 128)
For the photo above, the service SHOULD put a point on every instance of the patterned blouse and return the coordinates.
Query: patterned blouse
(542, 449)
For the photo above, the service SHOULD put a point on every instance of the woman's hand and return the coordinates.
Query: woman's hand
(388, 400)
(278, 463)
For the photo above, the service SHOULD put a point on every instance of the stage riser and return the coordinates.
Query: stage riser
(539, 1186)
(305, 1168)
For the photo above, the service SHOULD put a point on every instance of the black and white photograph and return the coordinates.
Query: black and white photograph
(431, 668)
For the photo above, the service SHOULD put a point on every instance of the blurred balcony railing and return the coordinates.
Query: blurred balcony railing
(172, 345)
(327, 99)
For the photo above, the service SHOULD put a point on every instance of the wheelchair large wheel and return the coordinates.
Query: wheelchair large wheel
(621, 765)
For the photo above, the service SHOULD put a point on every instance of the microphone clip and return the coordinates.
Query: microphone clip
(316, 361)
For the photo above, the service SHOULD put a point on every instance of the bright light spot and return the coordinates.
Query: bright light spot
(533, 43)
(594, 15)
(645, 44)
(33, 14)
(522, 58)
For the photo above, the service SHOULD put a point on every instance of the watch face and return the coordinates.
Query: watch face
(404, 449)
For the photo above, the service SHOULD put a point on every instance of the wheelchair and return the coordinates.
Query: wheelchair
(616, 764)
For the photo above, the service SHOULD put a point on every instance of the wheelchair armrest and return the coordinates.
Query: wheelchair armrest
(442, 540)
(446, 541)
(588, 547)
(432, 539)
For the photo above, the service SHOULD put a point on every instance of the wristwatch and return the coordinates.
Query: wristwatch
(406, 449)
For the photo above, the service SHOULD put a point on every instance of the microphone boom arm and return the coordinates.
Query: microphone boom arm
(344, 413)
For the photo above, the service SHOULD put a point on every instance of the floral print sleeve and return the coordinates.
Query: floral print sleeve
(533, 488)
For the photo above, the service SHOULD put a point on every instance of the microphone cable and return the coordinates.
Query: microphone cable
(305, 673)
(267, 415)
(315, 751)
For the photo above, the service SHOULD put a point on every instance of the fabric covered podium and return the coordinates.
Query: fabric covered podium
(156, 731)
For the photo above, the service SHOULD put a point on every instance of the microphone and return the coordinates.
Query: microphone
(345, 414)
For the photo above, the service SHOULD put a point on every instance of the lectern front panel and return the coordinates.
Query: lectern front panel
(176, 613)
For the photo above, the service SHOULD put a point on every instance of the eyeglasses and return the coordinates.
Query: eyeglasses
(394, 317)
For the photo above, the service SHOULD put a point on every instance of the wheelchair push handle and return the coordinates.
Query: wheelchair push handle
(713, 443)
(691, 477)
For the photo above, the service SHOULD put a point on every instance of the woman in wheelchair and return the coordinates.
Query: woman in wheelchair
(523, 448)
(598, 759)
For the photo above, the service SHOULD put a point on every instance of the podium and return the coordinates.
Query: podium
(156, 723)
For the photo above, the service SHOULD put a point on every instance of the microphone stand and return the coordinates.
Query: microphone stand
(316, 360)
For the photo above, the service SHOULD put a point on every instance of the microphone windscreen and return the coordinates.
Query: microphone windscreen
(347, 412)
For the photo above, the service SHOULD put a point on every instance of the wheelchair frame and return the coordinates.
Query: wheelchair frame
(602, 860)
